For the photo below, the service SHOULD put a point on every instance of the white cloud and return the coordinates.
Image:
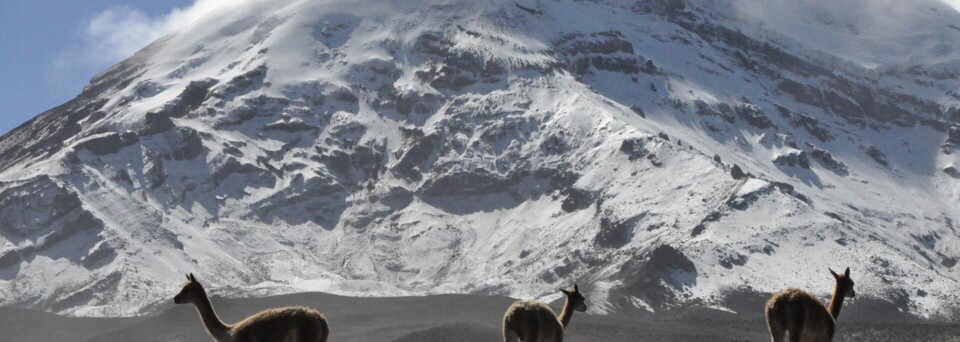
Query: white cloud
(113, 35)
(117, 33)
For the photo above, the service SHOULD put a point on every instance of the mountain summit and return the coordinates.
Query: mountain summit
(660, 153)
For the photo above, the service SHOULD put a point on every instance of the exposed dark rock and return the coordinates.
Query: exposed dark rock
(722, 110)
(102, 255)
(532, 11)
(793, 159)
(416, 151)
(953, 139)
(789, 190)
(192, 96)
(577, 199)
(744, 202)
(810, 124)
(614, 233)
(291, 126)
(155, 174)
(737, 173)
(670, 8)
(603, 51)
(560, 178)
(241, 84)
(232, 167)
(702, 226)
(321, 196)
(454, 69)
(122, 176)
(356, 165)
(634, 149)
(835, 216)
(396, 198)
(155, 123)
(465, 183)
(417, 103)
(753, 115)
(109, 143)
(186, 144)
(826, 159)
(877, 155)
(800, 92)
(657, 278)
(431, 43)
(733, 260)
(554, 145)
(952, 171)
(650, 68)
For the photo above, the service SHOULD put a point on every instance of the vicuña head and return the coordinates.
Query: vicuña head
(529, 320)
(575, 298)
(298, 324)
(844, 283)
(191, 292)
(803, 316)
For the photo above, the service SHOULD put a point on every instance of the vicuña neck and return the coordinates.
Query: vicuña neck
(216, 327)
(567, 313)
(836, 303)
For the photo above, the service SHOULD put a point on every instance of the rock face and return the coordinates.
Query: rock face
(415, 147)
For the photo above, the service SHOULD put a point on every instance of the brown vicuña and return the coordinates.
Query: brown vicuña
(294, 324)
(803, 316)
(533, 321)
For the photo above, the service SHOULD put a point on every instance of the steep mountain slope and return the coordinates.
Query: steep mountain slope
(503, 147)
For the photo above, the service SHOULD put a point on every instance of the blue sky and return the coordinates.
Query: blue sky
(51, 48)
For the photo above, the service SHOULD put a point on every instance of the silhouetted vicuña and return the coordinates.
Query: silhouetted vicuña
(294, 324)
(533, 321)
(803, 316)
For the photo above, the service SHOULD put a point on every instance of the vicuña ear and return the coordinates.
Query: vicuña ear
(576, 288)
(565, 292)
(192, 278)
(188, 276)
(847, 272)
(835, 275)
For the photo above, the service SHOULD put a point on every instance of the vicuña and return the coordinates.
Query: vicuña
(533, 321)
(295, 324)
(803, 316)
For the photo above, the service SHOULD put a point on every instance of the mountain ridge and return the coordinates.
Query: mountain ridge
(497, 148)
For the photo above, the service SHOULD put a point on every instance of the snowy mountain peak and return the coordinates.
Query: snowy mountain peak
(659, 153)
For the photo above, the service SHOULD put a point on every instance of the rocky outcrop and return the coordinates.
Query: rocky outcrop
(794, 158)
(657, 277)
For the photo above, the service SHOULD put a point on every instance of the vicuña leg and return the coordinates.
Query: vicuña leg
(533, 334)
(509, 335)
(778, 331)
(796, 330)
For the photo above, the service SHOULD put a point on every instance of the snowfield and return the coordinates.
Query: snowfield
(396, 148)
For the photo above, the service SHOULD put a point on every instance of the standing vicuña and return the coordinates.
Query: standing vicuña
(532, 321)
(296, 324)
(803, 316)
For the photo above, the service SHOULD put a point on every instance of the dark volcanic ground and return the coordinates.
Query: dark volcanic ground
(437, 318)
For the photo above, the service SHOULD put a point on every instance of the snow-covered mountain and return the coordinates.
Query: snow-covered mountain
(384, 148)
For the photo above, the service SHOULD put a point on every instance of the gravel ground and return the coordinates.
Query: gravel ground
(435, 318)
